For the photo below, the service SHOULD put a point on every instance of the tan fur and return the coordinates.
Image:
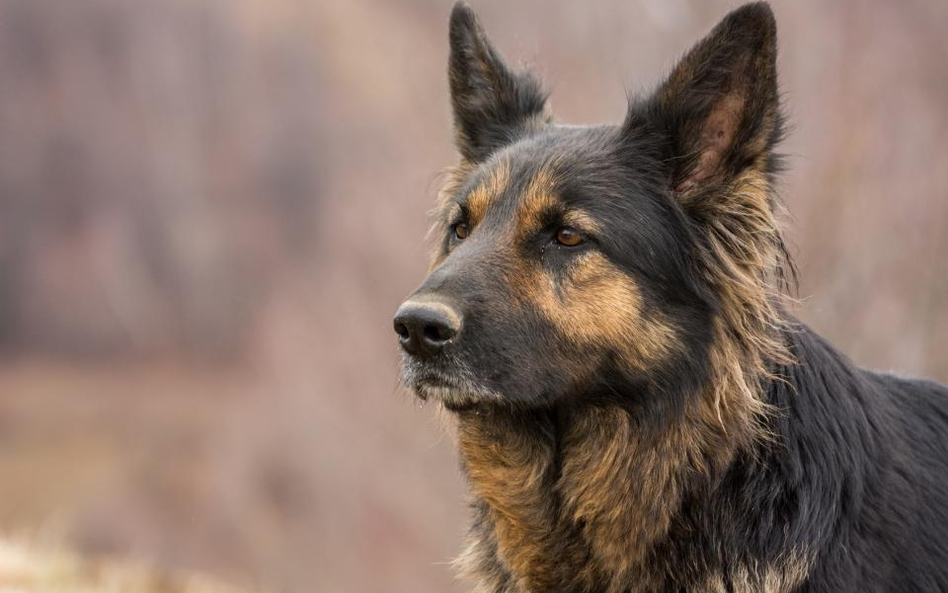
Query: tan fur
(539, 199)
(594, 302)
(622, 516)
(512, 473)
(743, 256)
(781, 577)
(481, 197)
(581, 221)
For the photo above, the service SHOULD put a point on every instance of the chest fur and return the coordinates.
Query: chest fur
(574, 503)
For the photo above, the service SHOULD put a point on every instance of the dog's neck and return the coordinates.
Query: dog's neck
(580, 499)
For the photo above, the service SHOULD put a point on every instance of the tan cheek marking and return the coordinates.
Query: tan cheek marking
(597, 303)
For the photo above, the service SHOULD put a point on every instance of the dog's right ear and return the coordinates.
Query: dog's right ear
(492, 105)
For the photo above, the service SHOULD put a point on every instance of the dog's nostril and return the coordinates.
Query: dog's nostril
(402, 330)
(437, 333)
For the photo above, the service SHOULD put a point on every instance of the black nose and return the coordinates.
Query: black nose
(424, 328)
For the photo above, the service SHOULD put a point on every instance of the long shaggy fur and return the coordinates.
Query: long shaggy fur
(638, 412)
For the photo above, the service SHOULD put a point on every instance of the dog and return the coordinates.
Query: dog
(605, 320)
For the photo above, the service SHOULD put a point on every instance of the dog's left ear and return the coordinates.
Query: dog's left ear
(492, 104)
(719, 108)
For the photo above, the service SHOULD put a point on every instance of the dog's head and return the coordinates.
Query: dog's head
(579, 261)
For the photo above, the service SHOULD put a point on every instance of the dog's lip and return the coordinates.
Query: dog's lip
(431, 381)
(437, 387)
(447, 392)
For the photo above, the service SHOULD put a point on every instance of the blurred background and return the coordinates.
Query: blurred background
(210, 209)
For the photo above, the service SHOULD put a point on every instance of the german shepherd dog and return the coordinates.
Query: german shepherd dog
(636, 410)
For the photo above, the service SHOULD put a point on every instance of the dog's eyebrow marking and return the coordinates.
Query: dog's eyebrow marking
(581, 220)
(486, 191)
(540, 202)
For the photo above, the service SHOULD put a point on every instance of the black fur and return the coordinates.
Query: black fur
(491, 103)
(857, 474)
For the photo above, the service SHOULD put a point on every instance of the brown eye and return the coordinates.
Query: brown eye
(461, 231)
(569, 237)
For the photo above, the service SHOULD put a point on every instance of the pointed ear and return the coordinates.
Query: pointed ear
(492, 105)
(719, 107)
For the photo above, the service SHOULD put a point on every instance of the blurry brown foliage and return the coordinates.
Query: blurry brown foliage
(210, 210)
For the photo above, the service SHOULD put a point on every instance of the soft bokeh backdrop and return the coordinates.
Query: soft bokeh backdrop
(210, 209)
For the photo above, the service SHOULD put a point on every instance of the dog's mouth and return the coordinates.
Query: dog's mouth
(451, 398)
(454, 393)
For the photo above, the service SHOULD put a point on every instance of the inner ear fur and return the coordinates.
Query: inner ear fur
(719, 108)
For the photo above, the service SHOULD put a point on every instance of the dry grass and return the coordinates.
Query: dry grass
(26, 568)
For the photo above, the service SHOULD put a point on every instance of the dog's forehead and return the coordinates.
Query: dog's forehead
(529, 179)
(514, 188)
